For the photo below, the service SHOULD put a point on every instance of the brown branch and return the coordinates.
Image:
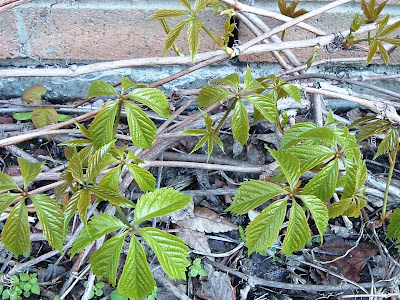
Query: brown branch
(6, 5)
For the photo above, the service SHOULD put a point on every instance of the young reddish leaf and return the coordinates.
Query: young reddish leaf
(240, 123)
(153, 98)
(29, 170)
(104, 261)
(193, 35)
(141, 127)
(298, 232)
(167, 13)
(101, 128)
(318, 210)
(97, 227)
(101, 88)
(263, 231)
(44, 116)
(51, 218)
(7, 182)
(252, 194)
(15, 234)
(136, 280)
(170, 250)
(144, 178)
(33, 94)
(159, 203)
(373, 48)
(211, 94)
(323, 185)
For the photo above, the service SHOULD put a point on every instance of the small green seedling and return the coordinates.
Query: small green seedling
(196, 269)
(19, 286)
(96, 290)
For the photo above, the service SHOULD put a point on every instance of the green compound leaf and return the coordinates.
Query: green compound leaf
(153, 98)
(310, 155)
(142, 129)
(232, 80)
(22, 116)
(249, 83)
(7, 182)
(293, 91)
(240, 123)
(338, 208)
(263, 231)
(193, 35)
(318, 210)
(144, 178)
(104, 261)
(110, 180)
(171, 251)
(173, 35)
(372, 128)
(111, 196)
(388, 143)
(323, 185)
(253, 193)
(211, 94)
(186, 4)
(75, 167)
(298, 232)
(83, 204)
(97, 162)
(373, 48)
(76, 143)
(194, 132)
(97, 227)
(44, 116)
(159, 203)
(136, 280)
(383, 52)
(51, 218)
(101, 128)
(29, 170)
(15, 234)
(323, 134)
(289, 139)
(356, 175)
(265, 105)
(393, 231)
(70, 208)
(168, 13)
(6, 199)
(289, 164)
(33, 94)
(101, 88)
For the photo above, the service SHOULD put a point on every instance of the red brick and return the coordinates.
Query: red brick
(8, 35)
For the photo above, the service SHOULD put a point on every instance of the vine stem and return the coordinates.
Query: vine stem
(392, 162)
(210, 33)
(117, 118)
(222, 121)
(122, 215)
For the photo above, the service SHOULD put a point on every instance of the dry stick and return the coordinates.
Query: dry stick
(192, 165)
(51, 129)
(350, 81)
(240, 7)
(380, 108)
(6, 5)
(21, 153)
(311, 288)
(260, 24)
(257, 32)
(291, 23)
(380, 77)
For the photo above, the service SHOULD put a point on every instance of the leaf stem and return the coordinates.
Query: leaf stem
(122, 215)
(118, 116)
(210, 33)
(222, 121)
(392, 162)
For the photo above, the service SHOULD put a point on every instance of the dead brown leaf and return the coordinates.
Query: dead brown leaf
(194, 239)
(352, 264)
(206, 220)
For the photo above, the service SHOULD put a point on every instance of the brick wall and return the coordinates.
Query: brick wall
(84, 30)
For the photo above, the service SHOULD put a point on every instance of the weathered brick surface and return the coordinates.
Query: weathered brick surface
(8, 35)
(113, 30)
